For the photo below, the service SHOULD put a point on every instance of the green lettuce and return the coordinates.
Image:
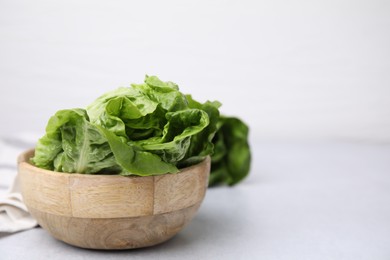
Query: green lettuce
(73, 144)
(230, 162)
(145, 129)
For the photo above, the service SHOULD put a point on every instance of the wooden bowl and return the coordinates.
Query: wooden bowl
(112, 211)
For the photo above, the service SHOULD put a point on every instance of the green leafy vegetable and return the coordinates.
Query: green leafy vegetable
(201, 144)
(73, 144)
(230, 162)
(133, 161)
(146, 129)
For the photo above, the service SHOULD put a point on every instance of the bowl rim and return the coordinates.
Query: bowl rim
(24, 161)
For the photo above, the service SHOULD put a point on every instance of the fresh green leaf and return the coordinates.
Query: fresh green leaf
(231, 160)
(177, 136)
(73, 144)
(146, 129)
(135, 162)
(122, 106)
(201, 143)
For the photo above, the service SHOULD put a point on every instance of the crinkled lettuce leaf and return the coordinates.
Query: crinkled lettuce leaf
(178, 132)
(134, 161)
(201, 143)
(72, 144)
(145, 129)
(126, 112)
(231, 160)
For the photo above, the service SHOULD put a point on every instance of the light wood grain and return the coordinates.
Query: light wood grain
(112, 212)
(111, 196)
(44, 190)
(116, 233)
(177, 191)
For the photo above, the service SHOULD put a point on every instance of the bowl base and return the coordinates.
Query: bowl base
(115, 233)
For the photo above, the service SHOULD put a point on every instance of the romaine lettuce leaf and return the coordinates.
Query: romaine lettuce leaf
(201, 143)
(230, 162)
(173, 145)
(122, 106)
(136, 162)
(72, 144)
(145, 129)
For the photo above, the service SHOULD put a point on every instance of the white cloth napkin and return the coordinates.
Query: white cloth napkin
(14, 215)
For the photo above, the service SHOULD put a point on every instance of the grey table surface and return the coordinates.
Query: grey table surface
(301, 201)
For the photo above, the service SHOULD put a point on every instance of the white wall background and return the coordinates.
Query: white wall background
(294, 70)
